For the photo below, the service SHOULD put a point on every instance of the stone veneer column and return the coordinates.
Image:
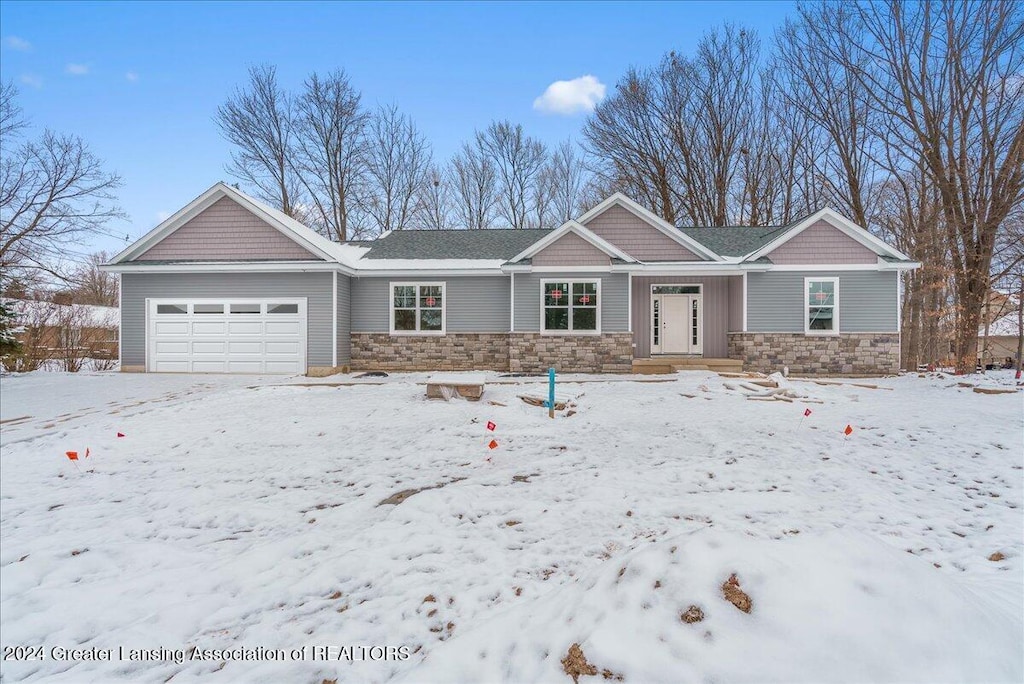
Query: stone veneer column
(844, 354)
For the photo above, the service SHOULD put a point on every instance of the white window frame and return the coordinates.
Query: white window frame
(835, 307)
(417, 284)
(571, 282)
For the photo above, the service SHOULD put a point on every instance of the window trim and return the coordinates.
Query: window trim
(570, 331)
(417, 284)
(835, 306)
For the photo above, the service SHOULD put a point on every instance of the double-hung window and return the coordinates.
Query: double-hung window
(821, 306)
(417, 308)
(571, 306)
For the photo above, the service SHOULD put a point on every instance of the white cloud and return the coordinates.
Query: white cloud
(571, 97)
(32, 81)
(77, 69)
(132, 76)
(16, 43)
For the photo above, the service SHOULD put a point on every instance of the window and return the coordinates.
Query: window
(675, 289)
(282, 308)
(417, 308)
(207, 308)
(245, 308)
(171, 308)
(821, 306)
(570, 306)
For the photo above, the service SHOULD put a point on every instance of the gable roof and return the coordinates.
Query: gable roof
(310, 240)
(655, 221)
(579, 229)
(838, 221)
(491, 243)
(734, 241)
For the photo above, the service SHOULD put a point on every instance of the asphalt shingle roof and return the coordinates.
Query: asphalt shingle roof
(493, 243)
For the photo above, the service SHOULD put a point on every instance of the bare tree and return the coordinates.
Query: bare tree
(568, 178)
(93, 286)
(474, 183)
(257, 120)
(54, 192)
(435, 200)
(947, 75)
(330, 142)
(398, 166)
(518, 160)
(11, 120)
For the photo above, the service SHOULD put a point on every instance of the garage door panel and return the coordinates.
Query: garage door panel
(209, 328)
(172, 327)
(172, 347)
(282, 327)
(207, 341)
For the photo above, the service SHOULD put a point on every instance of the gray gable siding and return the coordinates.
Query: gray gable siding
(315, 287)
(226, 231)
(867, 300)
(614, 299)
(636, 237)
(476, 304)
(822, 243)
(570, 250)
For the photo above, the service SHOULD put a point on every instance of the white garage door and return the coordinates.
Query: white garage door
(226, 336)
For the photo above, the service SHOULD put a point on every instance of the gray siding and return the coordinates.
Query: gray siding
(823, 243)
(614, 299)
(570, 250)
(735, 303)
(226, 231)
(315, 287)
(344, 320)
(715, 293)
(476, 304)
(867, 300)
(636, 237)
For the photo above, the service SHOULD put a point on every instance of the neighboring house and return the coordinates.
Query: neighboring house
(229, 284)
(47, 330)
(1003, 337)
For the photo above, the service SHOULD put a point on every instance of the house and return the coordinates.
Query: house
(1002, 341)
(48, 330)
(228, 284)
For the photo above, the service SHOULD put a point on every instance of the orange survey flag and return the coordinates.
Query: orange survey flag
(848, 431)
(72, 455)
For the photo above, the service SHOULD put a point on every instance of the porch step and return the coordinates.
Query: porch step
(663, 364)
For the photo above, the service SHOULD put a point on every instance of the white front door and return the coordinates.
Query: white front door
(678, 326)
(226, 336)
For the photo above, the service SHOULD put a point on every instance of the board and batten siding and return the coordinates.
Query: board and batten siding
(715, 300)
(867, 300)
(344, 320)
(226, 231)
(315, 287)
(614, 299)
(475, 304)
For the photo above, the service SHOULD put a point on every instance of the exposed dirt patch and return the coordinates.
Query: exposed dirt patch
(511, 523)
(736, 596)
(429, 598)
(78, 552)
(575, 664)
(401, 496)
(996, 557)
(614, 676)
(693, 614)
(524, 478)
(336, 595)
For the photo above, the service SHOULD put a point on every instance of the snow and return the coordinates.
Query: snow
(246, 512)
(41, 313)
(1006, 326)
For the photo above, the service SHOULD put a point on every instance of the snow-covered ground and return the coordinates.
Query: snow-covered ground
(244, 512)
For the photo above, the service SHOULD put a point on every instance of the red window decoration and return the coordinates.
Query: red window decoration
(821, 296)
(556, 294)
(585, 299)
(431, 301)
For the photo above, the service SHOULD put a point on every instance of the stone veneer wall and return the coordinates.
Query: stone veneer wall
(845, 354)
(453, 352)
(605, 353)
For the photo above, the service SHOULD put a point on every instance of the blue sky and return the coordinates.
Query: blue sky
(141, 81)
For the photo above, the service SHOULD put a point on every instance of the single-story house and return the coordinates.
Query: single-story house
(1001, 344)
(47, 330)
(228, 284)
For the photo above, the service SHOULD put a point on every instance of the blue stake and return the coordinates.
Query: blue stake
(551, 392)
